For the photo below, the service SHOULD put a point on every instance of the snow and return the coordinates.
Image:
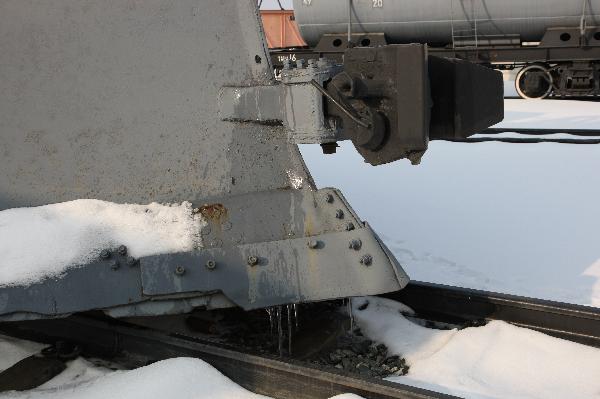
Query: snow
(594, 272)
(178, 378)
(181, 378)
(43, 242)
(514, 218)
(497, 360)
(78, 371)
(549, 114)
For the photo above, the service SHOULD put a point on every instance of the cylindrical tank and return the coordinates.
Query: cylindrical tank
(438, 21)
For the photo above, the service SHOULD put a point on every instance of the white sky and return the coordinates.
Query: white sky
(272, 4)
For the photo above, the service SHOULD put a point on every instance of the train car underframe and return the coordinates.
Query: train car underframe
(565, 63)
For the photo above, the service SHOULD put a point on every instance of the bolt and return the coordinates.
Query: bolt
(312, 63)
(211, 264)
(328, 198)
(313, 244)
(322, 62)
(114, 265)
(355, 244)
(180, 270)
(339, 214)
(366, 260)
(349, 226)
(122, 250)
(105, 254)
(252, 260)
(131, 261)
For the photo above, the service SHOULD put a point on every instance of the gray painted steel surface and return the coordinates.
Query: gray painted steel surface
(119, 101)
(431, 21)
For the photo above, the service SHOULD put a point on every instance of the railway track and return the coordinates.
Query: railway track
(135, 346)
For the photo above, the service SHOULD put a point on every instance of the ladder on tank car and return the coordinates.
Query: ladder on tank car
(463, 22)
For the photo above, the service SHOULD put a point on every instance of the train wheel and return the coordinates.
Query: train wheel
(534, 81)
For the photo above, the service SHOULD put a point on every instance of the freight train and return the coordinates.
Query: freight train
(150, 163)
(555, 44)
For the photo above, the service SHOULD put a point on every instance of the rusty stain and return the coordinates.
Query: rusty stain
(216, 213)
(309, 227)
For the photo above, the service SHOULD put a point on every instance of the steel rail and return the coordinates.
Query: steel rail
(278, 378)
(454, 304)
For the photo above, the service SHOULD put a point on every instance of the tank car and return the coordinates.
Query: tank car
(554, 43)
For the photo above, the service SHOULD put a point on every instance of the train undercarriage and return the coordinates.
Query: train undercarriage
(565, 79)
(565, 63)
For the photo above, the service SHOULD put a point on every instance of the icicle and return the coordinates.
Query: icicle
(270, 313)
(280, 331)
(296, 314)
(350, 314)
(289, 328)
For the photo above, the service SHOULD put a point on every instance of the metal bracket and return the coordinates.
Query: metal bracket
(251, 260)
(295, 103)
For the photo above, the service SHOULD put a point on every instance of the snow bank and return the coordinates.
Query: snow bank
(42, 242)
(594, 272)
(498, 360)
(78, 371)
(180, 378)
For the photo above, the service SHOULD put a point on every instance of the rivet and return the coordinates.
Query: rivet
(105, 254)
(211, 264)
(366, 260)
(313, 244)
(114, 265)
(252, 260)
(349, 226)
(328, 198)
(339, 214)
(180, 270)
(122, 250)
(355, 244)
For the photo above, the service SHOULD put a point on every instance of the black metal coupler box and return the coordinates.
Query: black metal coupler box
(467, 98)
(421, 97)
